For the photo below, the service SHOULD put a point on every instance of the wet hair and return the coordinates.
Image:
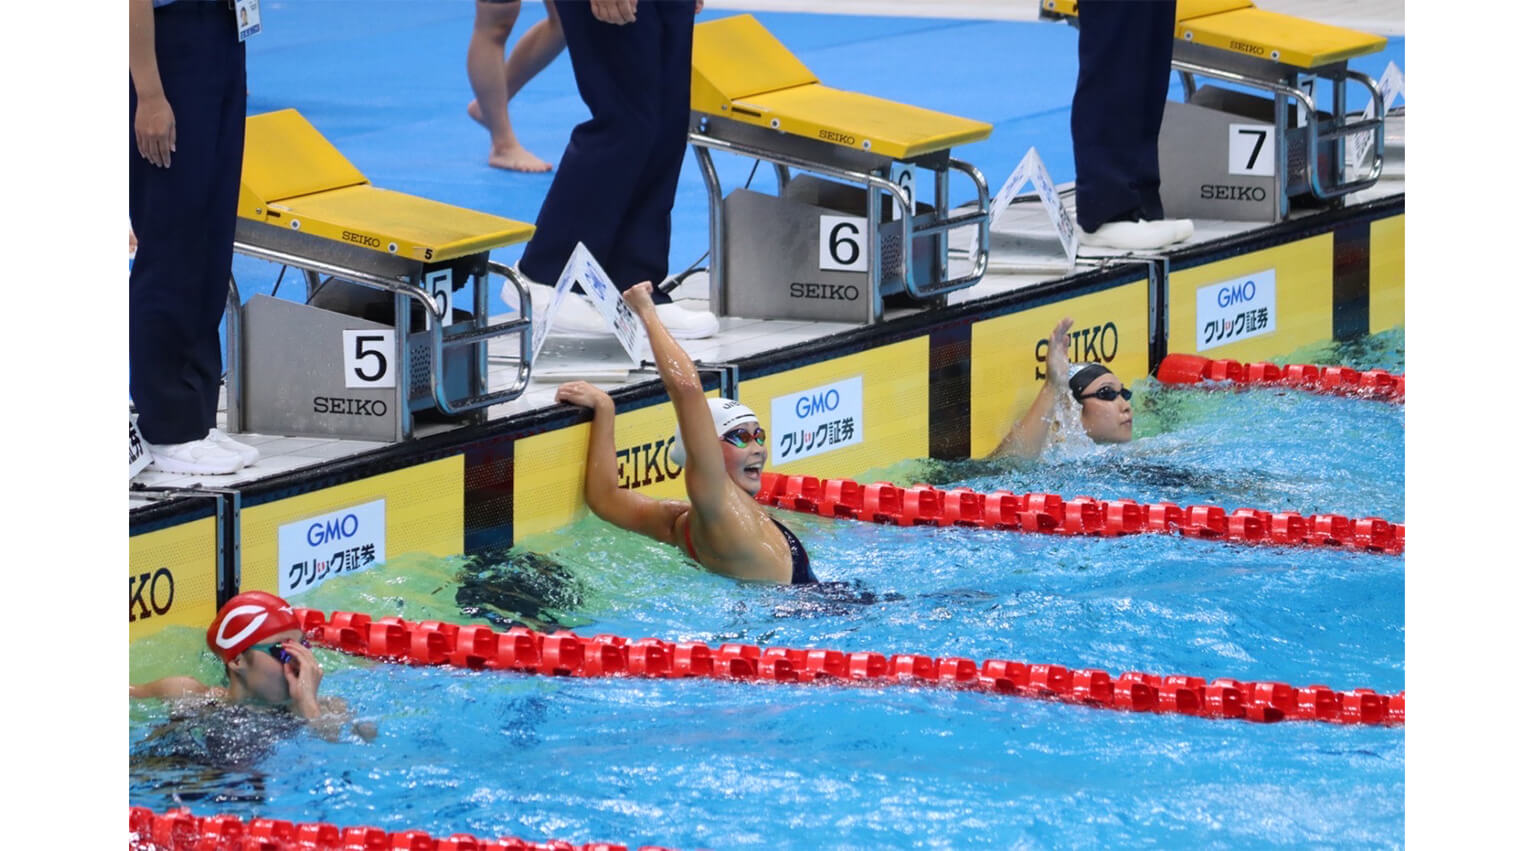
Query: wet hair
(1082, 376)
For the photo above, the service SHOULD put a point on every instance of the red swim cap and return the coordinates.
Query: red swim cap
(246, 619)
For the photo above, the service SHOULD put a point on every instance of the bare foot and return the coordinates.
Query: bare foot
(475, 114)
(517, 158)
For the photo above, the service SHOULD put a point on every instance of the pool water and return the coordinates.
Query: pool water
(694, 763)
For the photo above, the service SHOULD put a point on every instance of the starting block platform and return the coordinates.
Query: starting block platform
(377, 340)
(822, 247)
(1235, 156)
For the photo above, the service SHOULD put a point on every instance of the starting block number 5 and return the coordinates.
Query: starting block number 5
(368, 358)
(440, 284)
(843, 244)
(1251, 149)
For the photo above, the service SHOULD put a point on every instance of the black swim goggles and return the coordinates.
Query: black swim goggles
(739, 437)
(1107, 394)
(277, 651)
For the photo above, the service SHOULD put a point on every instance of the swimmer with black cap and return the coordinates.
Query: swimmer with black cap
(1106, 415)
(721, 447)
(267, 662)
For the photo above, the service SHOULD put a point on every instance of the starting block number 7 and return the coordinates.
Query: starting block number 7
(1250, 149)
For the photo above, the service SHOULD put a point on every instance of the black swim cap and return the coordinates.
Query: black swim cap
(1082, 376)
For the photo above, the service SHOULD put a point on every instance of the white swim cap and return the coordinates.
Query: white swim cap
(728, 414)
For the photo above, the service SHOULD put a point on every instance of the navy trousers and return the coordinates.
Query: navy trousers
(184, 219)
(617, 178)
(1125, 54)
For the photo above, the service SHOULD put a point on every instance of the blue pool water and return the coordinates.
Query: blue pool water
(725, 765)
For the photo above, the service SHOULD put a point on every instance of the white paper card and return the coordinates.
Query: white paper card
(583, 269)
(1392, 84)
(367, 358)
(1030, 170)
(1251, 150)
(843, 245)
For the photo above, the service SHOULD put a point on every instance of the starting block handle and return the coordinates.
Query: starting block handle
(980, 218)
(1342, 130)
(522, 325)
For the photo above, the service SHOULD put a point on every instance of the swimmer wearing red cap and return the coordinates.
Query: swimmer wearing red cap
(1106, 415)
(721, 446)
(267, 662)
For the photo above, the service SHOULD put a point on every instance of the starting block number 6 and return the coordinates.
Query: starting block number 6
(368, 358)
(843, 244)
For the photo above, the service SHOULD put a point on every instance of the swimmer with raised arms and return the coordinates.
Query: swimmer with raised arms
(720, 445)
(1106, 415)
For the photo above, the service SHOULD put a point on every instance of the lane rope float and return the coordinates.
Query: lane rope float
(924, 505)
(563, 653)
(179, 830)
(1335, 380)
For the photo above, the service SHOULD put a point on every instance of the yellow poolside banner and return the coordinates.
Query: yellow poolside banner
(551, 468)
(293, 545)
(1256, 306)
(1387, 273)
(846, 415)
(172, 578)
(1007, 354)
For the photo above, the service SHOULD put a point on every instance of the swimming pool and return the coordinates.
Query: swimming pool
(690, 763)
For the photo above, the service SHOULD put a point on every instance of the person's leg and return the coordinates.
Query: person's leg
(617, 74)
(1125, 63)
(493, 23)
(173, 348)
(641, 251)
(534, 51)
(224, 190)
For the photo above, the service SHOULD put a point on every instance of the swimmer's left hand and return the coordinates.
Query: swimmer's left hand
(639, 297)
(303, 673)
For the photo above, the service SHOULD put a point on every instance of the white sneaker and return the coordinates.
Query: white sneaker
(687, 324)
(1184, 228)
(1135, 236)
(538, 294)
(248, 454)
(577, 318)
(195, 457)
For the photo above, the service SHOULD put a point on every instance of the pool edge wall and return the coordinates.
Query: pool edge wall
(944, 383)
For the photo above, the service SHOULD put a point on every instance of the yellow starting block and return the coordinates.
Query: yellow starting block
(822, 250)
(1232, 41)
(377, 339)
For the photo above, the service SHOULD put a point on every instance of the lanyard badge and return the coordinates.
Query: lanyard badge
(247, 18)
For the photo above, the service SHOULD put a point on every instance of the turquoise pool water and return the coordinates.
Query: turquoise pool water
(723, 765)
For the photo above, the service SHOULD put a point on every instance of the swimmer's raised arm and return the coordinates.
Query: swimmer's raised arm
(623, 508)
(721, 525)
(707, 482)
(1026, 439)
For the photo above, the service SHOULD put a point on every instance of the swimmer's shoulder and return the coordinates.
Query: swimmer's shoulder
(177, 688)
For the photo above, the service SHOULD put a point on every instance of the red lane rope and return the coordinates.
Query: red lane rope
(564, 653)
(924, 505)
(179, 830)
(1338, 380)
